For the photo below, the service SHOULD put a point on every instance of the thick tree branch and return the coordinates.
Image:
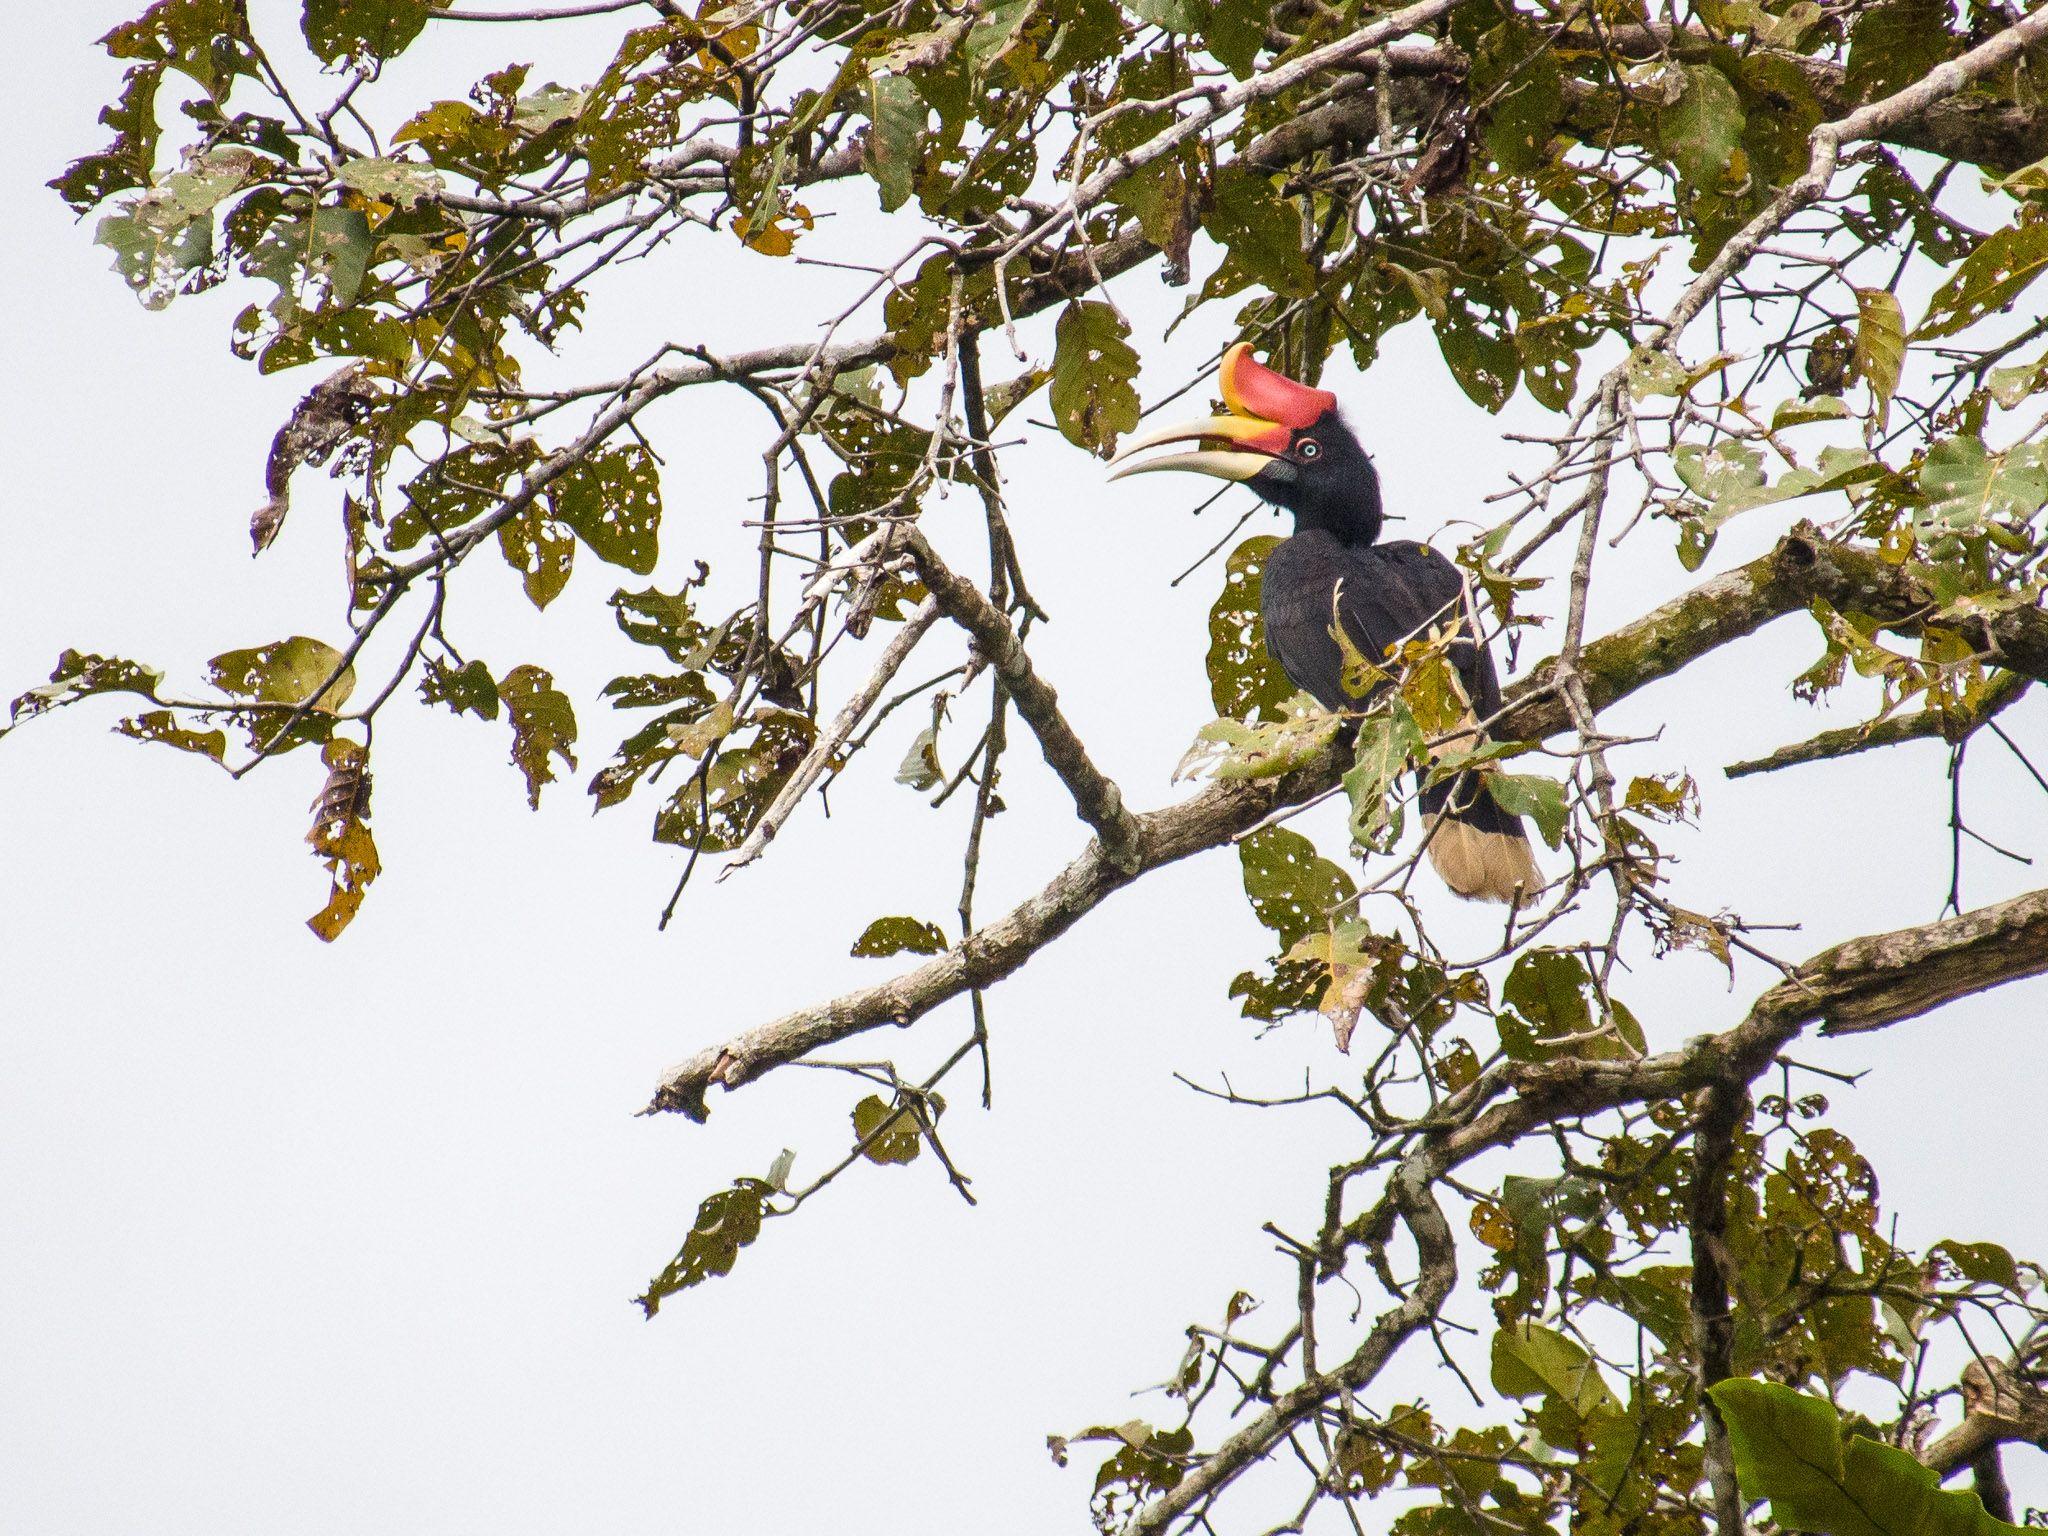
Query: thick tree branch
(2000, 1407)
(1655, 646)
(1723, 1106)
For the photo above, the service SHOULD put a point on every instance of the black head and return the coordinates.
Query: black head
(1326, 480)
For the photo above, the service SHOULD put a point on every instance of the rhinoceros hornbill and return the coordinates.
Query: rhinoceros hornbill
(1289, 445)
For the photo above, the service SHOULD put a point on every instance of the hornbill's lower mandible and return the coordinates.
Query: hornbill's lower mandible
(1289, 445)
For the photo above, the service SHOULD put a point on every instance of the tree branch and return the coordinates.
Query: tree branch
(1660, 643)
(2002, 691)
(1097, 800)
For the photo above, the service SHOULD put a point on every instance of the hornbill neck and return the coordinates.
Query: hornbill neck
(1346, 507)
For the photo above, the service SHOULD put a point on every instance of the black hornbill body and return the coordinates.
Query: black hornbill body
(1290, 446)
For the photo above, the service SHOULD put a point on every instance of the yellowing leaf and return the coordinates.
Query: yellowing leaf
(341, 836)
(1880, 352)
(285, 672)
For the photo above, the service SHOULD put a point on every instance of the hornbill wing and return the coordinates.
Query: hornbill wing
(1417, 591)
(1383, 595)
(1391, 593)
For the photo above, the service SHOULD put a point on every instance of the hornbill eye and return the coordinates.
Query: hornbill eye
(1309, 448)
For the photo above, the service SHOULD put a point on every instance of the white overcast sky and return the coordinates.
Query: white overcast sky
(316, 1239)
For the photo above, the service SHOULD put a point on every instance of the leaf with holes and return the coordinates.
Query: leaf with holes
(543, 726)
(341, 836)
(1540, 799)
(612, 500)
(891, 1132)
(726, 1222)
(1880, 353)
(1092, 368)
(1990, 278)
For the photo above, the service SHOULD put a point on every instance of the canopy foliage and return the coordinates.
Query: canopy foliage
(1851, 194)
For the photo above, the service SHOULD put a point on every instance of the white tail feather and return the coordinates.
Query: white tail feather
(1481, 865)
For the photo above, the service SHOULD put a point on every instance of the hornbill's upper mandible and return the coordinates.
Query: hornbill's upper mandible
(1289, 445)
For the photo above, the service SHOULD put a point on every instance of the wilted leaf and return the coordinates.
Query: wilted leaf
(161, 725)
(80, 675)
(341, 835)
(920, 768)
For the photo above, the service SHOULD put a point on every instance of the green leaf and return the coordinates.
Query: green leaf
(401, 183)
(891, 1131)
(1540, 799)
(1292, 888)
(1173, 15)
(1700, 128)
(1985, 1263)
(612, 499)
(1388, 740)
(467, 689)
(285, 672)
(1529, 1359)
(897, 117)
(1880, 352)
(899, 935)
(1788, 1448)
(1894, 44)
(541, 549)
(726, 1223)
(362, 31)
(1967, 486)
(80, 675)
(1238, 749)
(1550, 1000)
(543, 727)
(1480, 352)
(1518, 72)
(1261, 230)
(1092, 368)
(1244, 679)
(1798, 412)
(1990, 278)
